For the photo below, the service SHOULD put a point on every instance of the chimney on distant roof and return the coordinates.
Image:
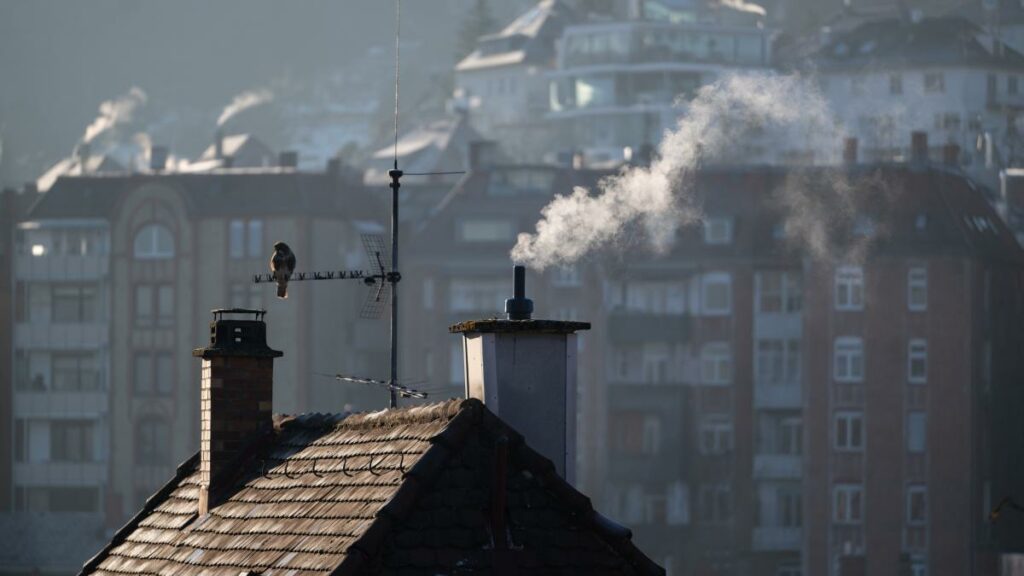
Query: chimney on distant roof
(218, 144)
(850, 151)
(919, 147)
(288, 159)
(157, 158)
(951, 154)
(236, 398)
(483, 154)
(524, 370)
(82, 152)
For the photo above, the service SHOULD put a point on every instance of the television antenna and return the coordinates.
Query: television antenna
(385, 276)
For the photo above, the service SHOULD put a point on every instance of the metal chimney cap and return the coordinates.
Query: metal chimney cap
(519, 307)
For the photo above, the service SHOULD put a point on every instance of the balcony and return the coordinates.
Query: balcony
(60, 473)
(782, 466)
(630, 327)
(50, 403)
(777, 396)
(60, 267)
(84, 336)
(777, 538)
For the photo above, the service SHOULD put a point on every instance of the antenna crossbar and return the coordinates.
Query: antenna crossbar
(394, 387)
(321, 275)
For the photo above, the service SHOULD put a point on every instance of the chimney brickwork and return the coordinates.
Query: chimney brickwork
(236, 397)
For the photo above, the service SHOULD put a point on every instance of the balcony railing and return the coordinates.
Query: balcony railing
(625, 327)
(61, 267)
(786, 395)
(60, 403)
(778, 466)
(80, 336)
(774, 538)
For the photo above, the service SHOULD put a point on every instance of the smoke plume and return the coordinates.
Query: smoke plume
(243, 102)
(724, 122)
(114, 112)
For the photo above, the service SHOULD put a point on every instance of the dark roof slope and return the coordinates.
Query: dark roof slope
(892, 43)
(397, 491)
(238, 192)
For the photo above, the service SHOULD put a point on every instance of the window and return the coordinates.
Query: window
(565, 276)
(716, 434)
(848, 504)
(71, 441)
(790, 507)
(777, 362)
(779, 292)
(789, 570)
(849, 284)
(917, 361)
(935, 82)
(718, 231)
(154, 242)
(848, 363)
(677, 502)
(656, 360)
(478, 295)
(153, 442)
(919, 565)
(716, 363)
(153, 373)
(715, 503)
(895, 84)
(917, 505)
(56, 499)
(154, 305)
(917, 432)
(492, 230)
(637, 433)
(917, 289)
(75, 372)
(245, 238)
(656, 297)
(779, 433)
(849, 431)
(716, 293)
(73, 303)
(245, 295)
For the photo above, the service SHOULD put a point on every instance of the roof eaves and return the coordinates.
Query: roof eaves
(184, 469)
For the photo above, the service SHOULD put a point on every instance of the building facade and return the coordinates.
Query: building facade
(114, 278)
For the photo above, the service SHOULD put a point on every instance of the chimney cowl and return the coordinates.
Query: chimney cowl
(158, 158)
(519, 307)
(234, 337)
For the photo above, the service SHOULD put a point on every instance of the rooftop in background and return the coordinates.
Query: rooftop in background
(950, 41)
(529, 39)
(439, 146)
(404, 488)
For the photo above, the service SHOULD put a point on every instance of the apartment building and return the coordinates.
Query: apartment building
(946, 77)
(114, 278)
(616, 84)
(752, 406)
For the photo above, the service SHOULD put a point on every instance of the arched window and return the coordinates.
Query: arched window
(154, 242)
(153, 442)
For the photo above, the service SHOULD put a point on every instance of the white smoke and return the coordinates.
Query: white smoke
(114, 112)
(724, 122)
(243, 102)
(144, 144)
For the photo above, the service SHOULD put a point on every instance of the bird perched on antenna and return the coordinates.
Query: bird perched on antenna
(282, 264)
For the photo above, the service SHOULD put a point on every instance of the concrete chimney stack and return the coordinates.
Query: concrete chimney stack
(850, 151)
(236, 397)
(919, 147)
(158, 158)
(218, 144)
(524, 370)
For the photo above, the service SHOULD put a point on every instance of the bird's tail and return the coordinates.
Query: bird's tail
(282, 290)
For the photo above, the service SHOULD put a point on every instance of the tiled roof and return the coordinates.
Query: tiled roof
(397, 491)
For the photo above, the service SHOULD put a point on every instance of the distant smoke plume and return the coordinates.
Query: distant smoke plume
(145, 145)
(722, 123)
(114, 112)
(244, 101)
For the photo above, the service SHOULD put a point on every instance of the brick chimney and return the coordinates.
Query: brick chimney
(919, 147)
(524, 370)
(237, 394)
(850, 150)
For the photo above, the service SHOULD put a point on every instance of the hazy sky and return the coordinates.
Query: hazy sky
(60, 59)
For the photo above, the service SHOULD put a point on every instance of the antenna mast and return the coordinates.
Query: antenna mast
(394, 277)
